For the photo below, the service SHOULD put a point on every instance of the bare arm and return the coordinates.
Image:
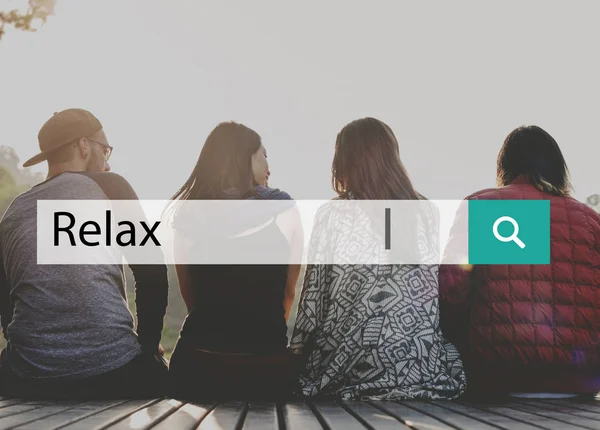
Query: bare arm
(293, 274)
(454, 283)
(294, 225)
(185, 285)
(181, 249)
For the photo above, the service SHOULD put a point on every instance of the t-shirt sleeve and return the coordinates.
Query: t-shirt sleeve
(151, 280)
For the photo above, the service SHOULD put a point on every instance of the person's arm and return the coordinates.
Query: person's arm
(293, 273)
(454, 282)
(185, 285)
(454, 302)
(151, 299)
(310, 306)
(151, 283)
(6, 308)
(296, 250)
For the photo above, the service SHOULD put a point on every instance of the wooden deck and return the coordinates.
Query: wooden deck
(169, 414)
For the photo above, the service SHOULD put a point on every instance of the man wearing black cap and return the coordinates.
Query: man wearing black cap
(69, 331)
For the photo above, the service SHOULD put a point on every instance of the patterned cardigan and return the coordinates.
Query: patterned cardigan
(372, 331)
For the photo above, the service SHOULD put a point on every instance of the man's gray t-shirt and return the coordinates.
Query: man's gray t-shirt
(71, 320)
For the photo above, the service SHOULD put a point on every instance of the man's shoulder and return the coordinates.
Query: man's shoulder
(115, 186)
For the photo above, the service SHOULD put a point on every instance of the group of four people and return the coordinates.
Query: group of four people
(362, 331)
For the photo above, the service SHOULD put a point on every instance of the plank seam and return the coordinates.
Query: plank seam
(242, 417)
(405, 422)
(483, 409)
(126, 414)
(317, 415)
(512, 406)
(74, 420)
(553, 406)
(208, 411)
(356, 416)
(34, 406)
(464, 414)
(163, 416)
(280, 416)
(19, 402)
(46, 416)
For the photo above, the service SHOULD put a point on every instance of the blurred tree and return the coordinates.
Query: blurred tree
(594, 202)
(10, 161)
(13, 180)
(37, 12)
(9, 189)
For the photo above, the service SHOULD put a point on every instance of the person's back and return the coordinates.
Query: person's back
(530, 329)
(68, 328)
(68, 320)
(240, 308)
(371, 331)
(233, 341)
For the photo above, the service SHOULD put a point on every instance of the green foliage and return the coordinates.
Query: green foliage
(38, 10)
(14, 180)
(9, 189)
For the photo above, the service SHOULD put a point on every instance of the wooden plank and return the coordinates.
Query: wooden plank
(372, 417)
(563, 408)
(410, 417)
(20, 408)
(502, 421)
(557, 415)
(188, 416)
(40, 412)
(147, 417)
(261, 415)
(108, 416)
(226, 416)
(592, 406)
(451, 418)
(336, 417)
(299, 416)
(10, 402)
(77, 413)
(535, 420)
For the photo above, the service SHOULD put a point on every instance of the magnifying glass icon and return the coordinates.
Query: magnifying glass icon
(514, 236)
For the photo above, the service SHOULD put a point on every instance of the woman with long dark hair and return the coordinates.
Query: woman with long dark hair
(234, 339)
(530, 329)
(364, 331)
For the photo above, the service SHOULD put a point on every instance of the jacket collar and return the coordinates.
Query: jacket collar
(521, 179)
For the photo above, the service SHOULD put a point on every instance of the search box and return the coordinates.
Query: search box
(509, 232)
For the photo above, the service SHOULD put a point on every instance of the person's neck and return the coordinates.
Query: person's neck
(62, 168)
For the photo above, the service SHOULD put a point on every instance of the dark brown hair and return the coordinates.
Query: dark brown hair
(225, 162)
(367, 163)
(532, 152)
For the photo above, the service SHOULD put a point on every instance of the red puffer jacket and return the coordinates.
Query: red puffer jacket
(530, 328)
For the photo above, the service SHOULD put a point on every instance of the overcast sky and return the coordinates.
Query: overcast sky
(451, 78)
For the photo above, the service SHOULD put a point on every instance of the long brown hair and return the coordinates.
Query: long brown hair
(367, 163)
(225, 162)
